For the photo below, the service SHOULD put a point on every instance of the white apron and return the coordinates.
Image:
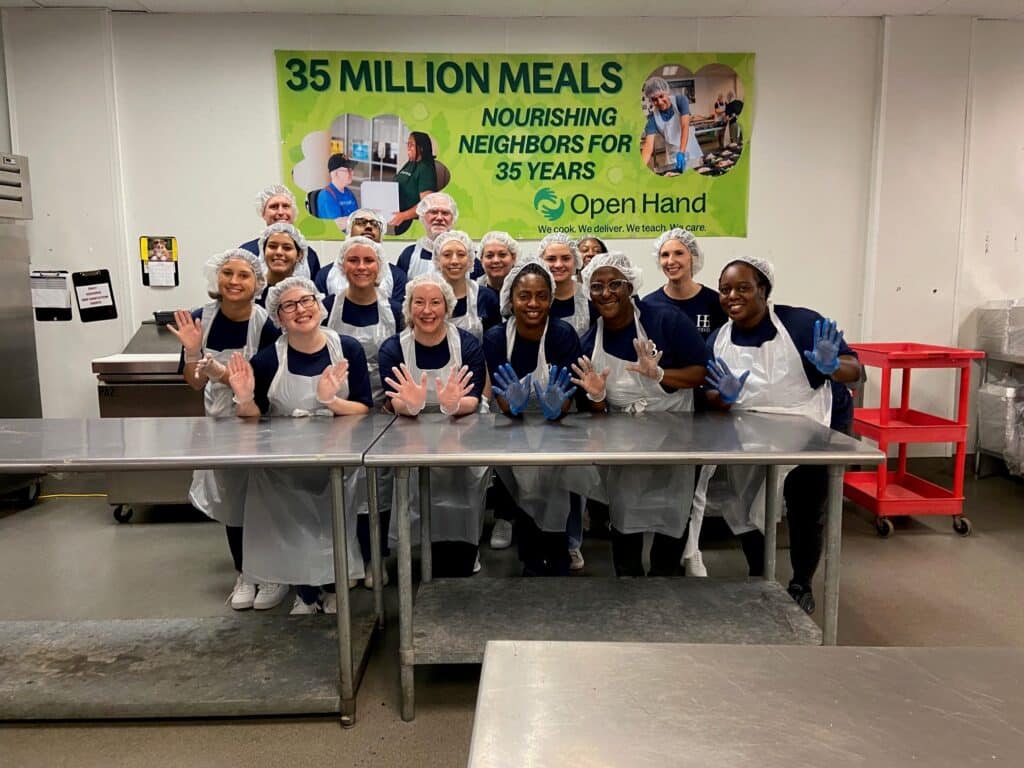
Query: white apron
(670, 130)
(288, 533)
(220, 493)
(536, 489)
(580, 317)
(419, 265)
(643, 498)
(457, 494)
(776, 384)
(337, 283)
(471, 321)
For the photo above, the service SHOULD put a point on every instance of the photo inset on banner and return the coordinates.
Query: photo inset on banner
(691, 123)
(376, 163)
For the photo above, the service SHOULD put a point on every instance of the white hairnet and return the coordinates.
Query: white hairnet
(429, 278)
(615, 260)
(425, 205)
(656, 85)
(218, 260)
(376, 247)
(283, 227)
(500, 237)
(458, 236)
(366, 213)
(685, 237)
(763, 266)
(277, 291)
(560, 238)
(537, 266)
(274, 190)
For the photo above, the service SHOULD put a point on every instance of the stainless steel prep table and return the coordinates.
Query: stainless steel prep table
(453, 622)
(654, 705)
(190, 667)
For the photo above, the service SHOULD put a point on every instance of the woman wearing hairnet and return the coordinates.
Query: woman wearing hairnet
(309, 371)
(453, 257)
(209, 336)
(362, 312)
(640, 358)
(680, 259)
(528, 360)
(434, 365)
(558, 251)
(283, 253)
(588, 248)
(276, 204)
(498, 252)
(776, 359)
(438, 214)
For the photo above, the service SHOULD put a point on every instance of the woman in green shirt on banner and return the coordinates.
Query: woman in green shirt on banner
(416, 179)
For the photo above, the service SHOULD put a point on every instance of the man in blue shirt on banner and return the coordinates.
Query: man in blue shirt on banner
(670, 117)
(335, 201)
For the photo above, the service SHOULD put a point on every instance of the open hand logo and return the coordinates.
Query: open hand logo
(550, 205)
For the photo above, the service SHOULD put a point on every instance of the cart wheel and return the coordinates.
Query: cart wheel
(883, 525)
(27, 496)
(962, 526)
(123, 513)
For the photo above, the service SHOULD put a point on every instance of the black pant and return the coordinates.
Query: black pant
(542, 553)
(309, 593)
(806, 492)
(500, 500)
(628, 548)
(453, 559)
(363, 534)
(235, 544)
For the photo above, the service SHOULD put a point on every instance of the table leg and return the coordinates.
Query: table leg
(772, 512)
(833, 551)
(405, 652)
(344, 615)
(376, 566)
(426, 553)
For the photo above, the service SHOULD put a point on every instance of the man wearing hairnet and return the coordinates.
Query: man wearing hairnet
(277, 203)
(438, 214)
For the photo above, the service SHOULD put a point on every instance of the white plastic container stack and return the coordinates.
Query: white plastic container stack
(998, 429)
(1001, 327)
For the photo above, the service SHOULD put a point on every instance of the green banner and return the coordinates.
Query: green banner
(618, 145)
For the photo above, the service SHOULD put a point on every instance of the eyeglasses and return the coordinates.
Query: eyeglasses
(366, 223)
(612, 285)
(289, 307)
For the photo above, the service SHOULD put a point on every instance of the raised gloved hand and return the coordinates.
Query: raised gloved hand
(515, 391)
(241, 379)
(189, 332)
(554, 396)
(209, 367)
(725, 381)
(330, 381)
(451, 392)
(406, 390)
(647, 358)
(594, 382)
(824, 355)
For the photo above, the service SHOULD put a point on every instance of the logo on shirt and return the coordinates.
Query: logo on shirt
(549, 204)
(703, 323)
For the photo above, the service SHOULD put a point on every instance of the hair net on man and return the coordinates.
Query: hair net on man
(763, 266)
(366, 242)
(215, 262)
(536, 267)
(656, 85)
(458, 236)
(615, 260)
(428, 202)
(504, 238)
(283, 227)
(366, 213)
(561, 238)
(685, 237)
(274, 190)
(430, 278)
(277, 291)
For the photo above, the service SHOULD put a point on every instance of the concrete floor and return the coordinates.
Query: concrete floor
(67, 559)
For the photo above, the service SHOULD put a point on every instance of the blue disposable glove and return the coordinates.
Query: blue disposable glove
(556, 393)
(724, 381)
(680, 161)
(515, 392)
(827, 340)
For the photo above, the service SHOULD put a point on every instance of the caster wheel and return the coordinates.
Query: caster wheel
(27, 496)
(123, 513)
(883, 526)
(962, 526)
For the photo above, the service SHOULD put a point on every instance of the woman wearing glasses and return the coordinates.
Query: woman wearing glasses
(309, 371)
(638, 358)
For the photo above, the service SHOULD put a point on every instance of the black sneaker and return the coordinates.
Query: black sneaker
(803, 597)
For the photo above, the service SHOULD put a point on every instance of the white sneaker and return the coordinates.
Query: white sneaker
(270, 596)
(476, 565)
(243, 594)
(330, 602)
(368, 581)
(501, 535)
(694, 566)
(300, 608)
(575, 560)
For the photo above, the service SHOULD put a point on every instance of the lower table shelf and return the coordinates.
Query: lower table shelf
(454, 618)
(904, 495)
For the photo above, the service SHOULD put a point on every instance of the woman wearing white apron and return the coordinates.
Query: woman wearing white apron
(209, 336)
(498, 253)
(640, 359)
(283, 252)
(680, 259)
(310, 371)
(776, 359)
(453, 254)
(528, 361)
(363, 313)
(434, 365)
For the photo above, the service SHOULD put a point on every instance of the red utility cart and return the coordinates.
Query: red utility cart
(889, 493)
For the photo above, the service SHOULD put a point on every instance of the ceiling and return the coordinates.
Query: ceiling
(988, 9)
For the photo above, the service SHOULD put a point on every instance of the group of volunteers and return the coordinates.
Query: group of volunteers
(463, 327)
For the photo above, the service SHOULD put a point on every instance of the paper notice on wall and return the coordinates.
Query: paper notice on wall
(51, 297)
(94, 296)
(163, 274)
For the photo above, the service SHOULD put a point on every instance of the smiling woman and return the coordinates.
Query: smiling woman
(559, 252)
(283, 251)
